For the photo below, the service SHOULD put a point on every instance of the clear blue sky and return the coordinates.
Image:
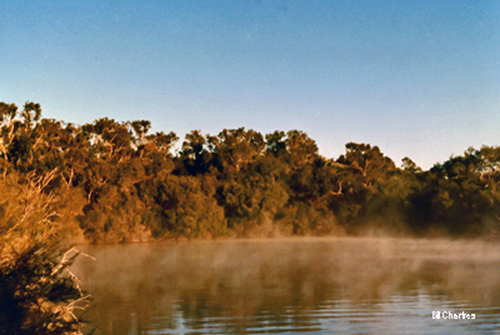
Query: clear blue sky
(417, 78)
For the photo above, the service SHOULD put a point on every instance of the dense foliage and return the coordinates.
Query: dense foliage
(123, 183)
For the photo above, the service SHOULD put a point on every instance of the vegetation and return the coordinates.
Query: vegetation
(38, 294)
(126, 184)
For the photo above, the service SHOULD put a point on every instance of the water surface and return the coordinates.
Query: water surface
(293, 286)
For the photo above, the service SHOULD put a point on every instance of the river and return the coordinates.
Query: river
(294, 286)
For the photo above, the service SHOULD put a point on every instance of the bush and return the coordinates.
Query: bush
(38, 293)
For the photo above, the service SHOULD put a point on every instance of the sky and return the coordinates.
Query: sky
(417, 78)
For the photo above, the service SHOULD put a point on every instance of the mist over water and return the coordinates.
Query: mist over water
(295, 285)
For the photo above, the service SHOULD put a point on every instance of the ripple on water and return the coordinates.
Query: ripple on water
(337, 286)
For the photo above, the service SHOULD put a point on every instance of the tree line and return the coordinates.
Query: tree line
(122, 183)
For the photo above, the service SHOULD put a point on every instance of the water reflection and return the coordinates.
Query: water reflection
(319, 286)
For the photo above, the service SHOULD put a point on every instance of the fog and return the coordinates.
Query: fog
(247, 277)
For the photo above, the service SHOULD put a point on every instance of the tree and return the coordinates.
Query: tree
(195, 156)
(235, 149)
